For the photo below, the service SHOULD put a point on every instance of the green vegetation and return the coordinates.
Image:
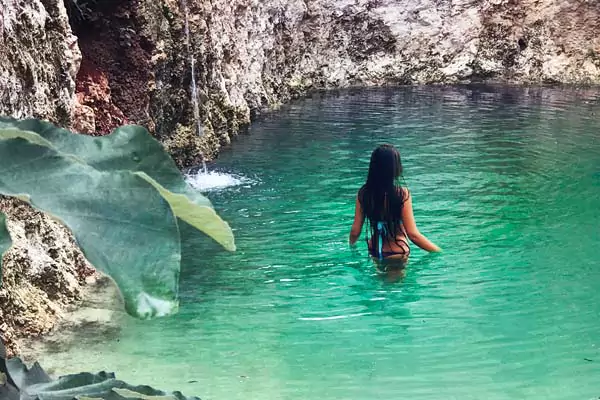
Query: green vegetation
(17, 382)
(123, 198)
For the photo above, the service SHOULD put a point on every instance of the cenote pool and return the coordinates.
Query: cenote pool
(506, 180)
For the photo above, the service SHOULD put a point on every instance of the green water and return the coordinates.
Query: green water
(505, 180)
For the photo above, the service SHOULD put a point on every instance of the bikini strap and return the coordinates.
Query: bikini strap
(381, 231)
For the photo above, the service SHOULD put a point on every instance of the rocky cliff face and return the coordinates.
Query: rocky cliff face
(39, 59)
(252, 55)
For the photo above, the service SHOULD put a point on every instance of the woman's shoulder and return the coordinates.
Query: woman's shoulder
(404, 192)
(361, 190)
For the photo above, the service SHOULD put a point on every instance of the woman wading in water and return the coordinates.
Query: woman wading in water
(387, 207)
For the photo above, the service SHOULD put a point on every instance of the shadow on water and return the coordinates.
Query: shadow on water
(390, 287)
(395, 271)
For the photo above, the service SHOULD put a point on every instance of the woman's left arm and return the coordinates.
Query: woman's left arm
(357, 225)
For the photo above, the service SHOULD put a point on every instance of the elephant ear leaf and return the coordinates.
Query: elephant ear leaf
(121, 195)
(121, 222)
(95, 386)
(13, 133)
(128, 148)
(201, 217)
(21, 376)
(22, 383)
(5, 241)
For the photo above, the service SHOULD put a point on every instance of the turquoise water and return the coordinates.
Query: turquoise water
(505, 180)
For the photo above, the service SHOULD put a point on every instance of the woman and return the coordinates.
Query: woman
(387, 207)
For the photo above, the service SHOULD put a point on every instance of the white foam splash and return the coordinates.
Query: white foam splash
(213, 180)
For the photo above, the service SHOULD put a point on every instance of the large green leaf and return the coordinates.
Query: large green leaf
(121, 222)
(5, 242)
(130, 148)
(94, 386)
(202, 218)
(33, 383)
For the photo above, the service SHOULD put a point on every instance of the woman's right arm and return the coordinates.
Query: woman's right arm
(408, 219)
(359, 220)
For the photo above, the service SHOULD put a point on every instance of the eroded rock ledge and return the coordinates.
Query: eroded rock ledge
(43, 273)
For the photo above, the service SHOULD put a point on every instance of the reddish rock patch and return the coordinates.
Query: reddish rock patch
(93, 90)
(114, 73)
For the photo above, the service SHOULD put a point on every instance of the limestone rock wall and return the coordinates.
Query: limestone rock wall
(251, 55)
(256, 54)
(39, 59)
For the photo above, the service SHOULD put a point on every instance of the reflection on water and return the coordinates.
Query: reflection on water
(504, 179)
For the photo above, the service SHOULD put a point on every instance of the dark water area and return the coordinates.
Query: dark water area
(506, 180)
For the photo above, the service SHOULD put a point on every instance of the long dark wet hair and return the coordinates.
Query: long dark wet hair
(382, 197)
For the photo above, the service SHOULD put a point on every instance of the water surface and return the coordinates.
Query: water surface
(505, 180)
